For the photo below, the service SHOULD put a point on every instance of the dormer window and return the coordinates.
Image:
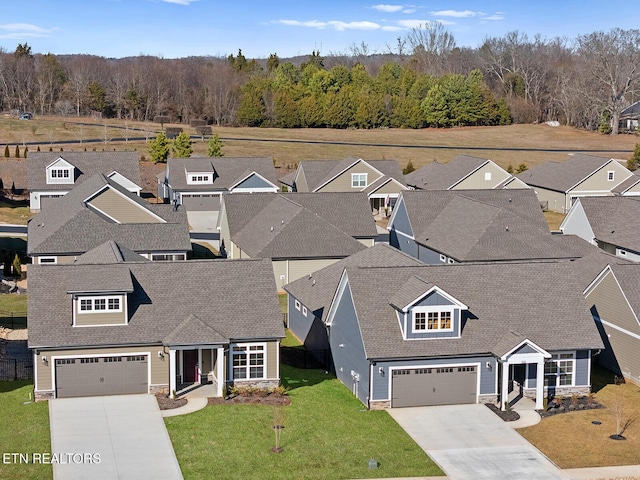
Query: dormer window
(432, 320)
(100, 304)
(60, 173)
(199, 178)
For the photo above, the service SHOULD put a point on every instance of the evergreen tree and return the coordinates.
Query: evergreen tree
(409, 168)
(272, 62)
(17, 154)
(17, 267)
(13, 188)
(26, 150)
(634, 162)
(6, 151)
(38, 148)
(214, 147)
(182, 146)
(252, 111)
(159, 148)
(510, 169)
(1, 184)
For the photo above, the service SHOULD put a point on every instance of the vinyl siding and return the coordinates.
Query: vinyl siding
(121, 209)
(598, 181)
(577, 223)
(342, 183)
(401, 221)
(347, 348)
(635, 190)
(301, 182)
(279, 271)
(367, 242)
(301, 268)
(66, 259)
(477, 179)
(44, 373)
(254, 181)
(555, 200)
(403, 243)
(390, 187)
(272, 359)
(381, 382)
(430, 257)
(100, 318)
(583, 376)
(622, 350)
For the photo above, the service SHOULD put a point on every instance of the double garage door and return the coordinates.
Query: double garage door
(200, 202)
(416, 387)
(90, 376)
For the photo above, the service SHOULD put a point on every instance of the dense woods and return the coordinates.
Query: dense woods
(425, 80)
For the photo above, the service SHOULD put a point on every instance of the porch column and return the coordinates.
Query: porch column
(172, 371)
(220, 369)
(504, 393)
(199, 371)
(540, 384)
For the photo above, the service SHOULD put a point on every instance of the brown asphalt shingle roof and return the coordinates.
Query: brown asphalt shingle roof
(234, 298)
(442, 176)
(87, 164)
(318, 172)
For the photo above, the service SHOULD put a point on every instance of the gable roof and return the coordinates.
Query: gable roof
(299, 225)
(228, 171)
(484, 225)
(614, 220)
(233, 298)
(317, 290)
(628, 184)
(512, 296)
(110, 252)
(319, 172)
(563, 176)
(289, 179)
(74, 228)
(442, 176)
(87, 164)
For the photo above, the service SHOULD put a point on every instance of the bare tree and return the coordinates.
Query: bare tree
(613, 60)
(430, 45)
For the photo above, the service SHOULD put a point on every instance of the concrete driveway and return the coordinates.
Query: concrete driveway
(471, 442)
(125, 433)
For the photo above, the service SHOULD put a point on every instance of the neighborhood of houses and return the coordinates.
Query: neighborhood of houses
(443, 286)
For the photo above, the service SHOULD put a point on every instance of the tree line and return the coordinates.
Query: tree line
(423, 80)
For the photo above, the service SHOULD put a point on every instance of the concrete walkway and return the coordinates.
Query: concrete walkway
(193, 405)
(471, 442)
(125, 433)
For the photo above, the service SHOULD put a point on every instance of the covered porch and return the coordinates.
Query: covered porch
(197, 367)
(522, 366)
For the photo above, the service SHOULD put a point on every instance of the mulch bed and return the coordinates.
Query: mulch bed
(507, 415)
(166, 403)
(251, 400)
(568, 404)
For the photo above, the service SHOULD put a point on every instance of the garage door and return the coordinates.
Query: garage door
(84, 377)
(48, 200)
(433, 386)
(201, 203)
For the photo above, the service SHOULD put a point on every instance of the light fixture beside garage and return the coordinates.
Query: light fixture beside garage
(160, 354)
(44, 359)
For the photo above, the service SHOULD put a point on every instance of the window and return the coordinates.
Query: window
(100, 304)
(297, 305)
(167, 257)
(558, 371)
(430, 320)
(249, 361)
(304, 311)
(358, 180)
(89, 360)
(487, 175)
(59, 173)
(42, 260)
(450, 260)
(112, 359)
(611, 175)
(443, 258)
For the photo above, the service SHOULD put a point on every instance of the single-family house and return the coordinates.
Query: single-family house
(455, 226)
(629, 117)
(198, 183)
(614, 299)
(50, 175)
(463, 172)
(299, 232)
(558, 184)
(611, 223)
(310, 296)
(381, 180)
(98, 209)
(405, 336)
(103, 326)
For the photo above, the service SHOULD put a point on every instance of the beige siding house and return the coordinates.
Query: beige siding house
(106, 326)
(299, 232)
(462, 173)
(557, 185)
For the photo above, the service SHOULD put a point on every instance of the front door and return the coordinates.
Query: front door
(190, 359)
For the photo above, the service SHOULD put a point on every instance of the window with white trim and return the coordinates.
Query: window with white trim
(559, 370)
(297, 304)
(167, 257)
(99, 304)
(487, 176)
(304, 311)
(358, 180)
(432, 320)
(249, 361)
(42, 260)
(611, 175)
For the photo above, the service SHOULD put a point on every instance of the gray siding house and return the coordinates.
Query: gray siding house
(100, 209)
(462, 173)
(450, 227)
(611, 223)
(427, 335)
(51, 175)
(559, 184)
(110, 324)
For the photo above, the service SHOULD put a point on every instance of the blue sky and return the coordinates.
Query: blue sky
(181, 28)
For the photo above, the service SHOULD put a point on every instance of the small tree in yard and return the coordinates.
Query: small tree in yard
(214, 147)
(634, 162)
(1, 184)
(6, 151)
(182, 146)
(409, 168)
(17, 155)
(17, 267)
(159, 148)
(522, 168)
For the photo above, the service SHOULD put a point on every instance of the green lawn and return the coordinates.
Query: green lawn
(14, 215)
(10, 302)
(23, 429)
(328, 434)
(283, 300)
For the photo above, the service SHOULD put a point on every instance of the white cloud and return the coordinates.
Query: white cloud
(496, 16)
(180, 2)
(410, 10)
(387, 8)
(454, 13)
(336, 24)
(20, 30)
(391, 28)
